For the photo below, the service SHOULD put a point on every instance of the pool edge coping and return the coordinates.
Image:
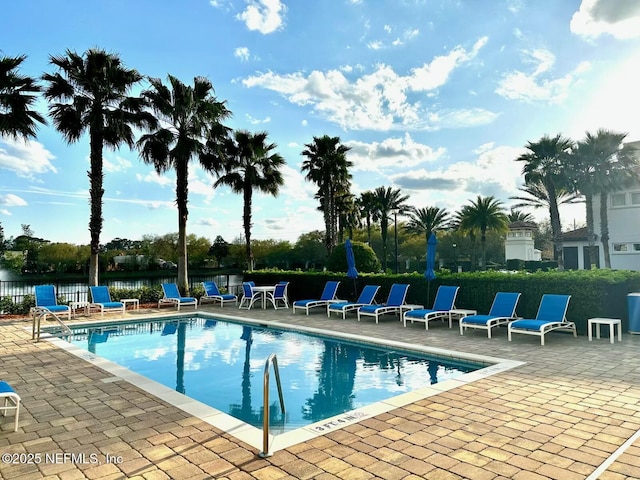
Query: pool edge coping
(253, 435)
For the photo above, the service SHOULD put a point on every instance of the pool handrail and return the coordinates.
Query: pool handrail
(272, 359)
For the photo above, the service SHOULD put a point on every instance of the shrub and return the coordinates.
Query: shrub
(366, 259)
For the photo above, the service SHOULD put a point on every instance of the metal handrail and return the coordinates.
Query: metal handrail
(38, 315)
(265, 409)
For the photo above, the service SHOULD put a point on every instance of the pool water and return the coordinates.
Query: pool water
(221, 364)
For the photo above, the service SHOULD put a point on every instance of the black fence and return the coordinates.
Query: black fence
(74, 291)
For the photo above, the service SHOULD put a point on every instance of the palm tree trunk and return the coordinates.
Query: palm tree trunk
(556, 226)
(95, 193)
(588, 196)
(246, 221)
(182, 191)
(369, 229)
(483, 249)
(604, 229)
(383, 233)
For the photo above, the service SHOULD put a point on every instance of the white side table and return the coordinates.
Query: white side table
(74, 306)
(612, 322)
(133, 301)
(460, 313)
(407, 307)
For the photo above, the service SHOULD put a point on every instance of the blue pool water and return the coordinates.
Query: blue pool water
(221, 364)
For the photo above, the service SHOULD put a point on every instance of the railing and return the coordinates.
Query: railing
(38, 314)
(74, 291)
(265, 409)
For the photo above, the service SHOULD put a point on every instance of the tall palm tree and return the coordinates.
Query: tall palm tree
(17, 96)
(367, 204)
(248, 164)
(188, 117)
(424, 221)
(601, 164)
(327, 166)
(387, 200)
(543, 164)
(481, 215)
(348, 217)
(91, 93)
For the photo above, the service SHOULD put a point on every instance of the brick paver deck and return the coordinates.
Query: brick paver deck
(561, 415)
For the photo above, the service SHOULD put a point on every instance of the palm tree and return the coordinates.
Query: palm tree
(188, 118)
(327, 166)
(424, 221)
(387, 200)
(516, 215)
(485, 213)
(544, 165)
(247, 164)
(90, 93)
(600, 164)
(367, 204)
(348, 217)
(17, 119)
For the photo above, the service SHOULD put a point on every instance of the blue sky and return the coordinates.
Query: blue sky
(435, 97)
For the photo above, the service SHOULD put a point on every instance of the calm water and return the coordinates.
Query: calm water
(222, 364)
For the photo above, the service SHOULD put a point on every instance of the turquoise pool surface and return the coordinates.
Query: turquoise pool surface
(221, 364)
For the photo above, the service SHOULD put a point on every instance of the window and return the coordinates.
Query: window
(635, 198)
(618, 200)
(619, 247)
(636, 247)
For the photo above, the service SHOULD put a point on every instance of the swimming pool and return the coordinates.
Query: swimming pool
(240, 429)
(221, 364)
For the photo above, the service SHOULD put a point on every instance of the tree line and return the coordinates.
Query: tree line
(90, 93)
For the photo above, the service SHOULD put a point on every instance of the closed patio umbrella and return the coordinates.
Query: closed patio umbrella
(351, 264)
(429, 273)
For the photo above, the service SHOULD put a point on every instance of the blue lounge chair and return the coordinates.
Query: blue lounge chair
(11, 402)
(101, 299)
(328, 295)
(393, 304)
(212, 294)
(367, 297)
(279, 295)
(47, 302)
(249, 295)
(503, 311)
(172, 297)
(442, 305)
(551, 316)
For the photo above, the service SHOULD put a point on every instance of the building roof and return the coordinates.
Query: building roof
(522, 225)
(576, 235)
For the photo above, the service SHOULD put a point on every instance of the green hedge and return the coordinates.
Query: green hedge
(594, 293)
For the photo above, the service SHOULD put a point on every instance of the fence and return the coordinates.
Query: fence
(74, 291)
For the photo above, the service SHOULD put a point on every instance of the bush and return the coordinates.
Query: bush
(366, 259)
(594, 293)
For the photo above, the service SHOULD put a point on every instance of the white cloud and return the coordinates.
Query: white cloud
(242, 53)
(618, 18)
(11, 200)
(492, 172)
(378, 100)
(153, 177)
(118, 164)
(410, 34)
(534, 86)
(257, 121)
(25, 158)
(375, 45)
(392, 153)
(265, 16)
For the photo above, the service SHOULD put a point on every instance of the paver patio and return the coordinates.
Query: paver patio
(568, 413)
